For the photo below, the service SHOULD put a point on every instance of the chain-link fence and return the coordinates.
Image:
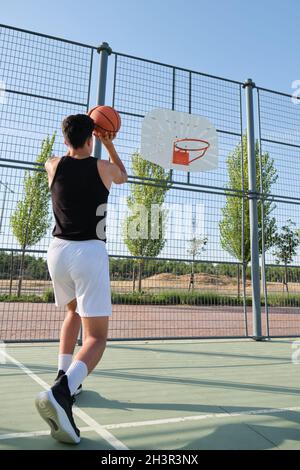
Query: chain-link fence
(43, 79)
(279, 138)
(175, 292)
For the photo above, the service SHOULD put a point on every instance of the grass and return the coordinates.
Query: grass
(175, 297)
(283, 300)
(47, 297)
(21, 298)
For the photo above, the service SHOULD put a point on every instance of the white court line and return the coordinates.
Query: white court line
(106, 435)
(18, 435)
(162, 421)
(200, 417)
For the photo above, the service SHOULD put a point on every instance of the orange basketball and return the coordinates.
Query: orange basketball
(106, 118)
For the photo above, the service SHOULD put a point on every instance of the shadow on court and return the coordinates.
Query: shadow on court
(127, 375)
(233, 436)
(197, 395)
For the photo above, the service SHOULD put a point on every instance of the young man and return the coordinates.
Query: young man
(78, 264)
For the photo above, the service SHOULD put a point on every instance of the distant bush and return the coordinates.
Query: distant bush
(170, 298)
(48, 296)
(175, 298)
(22, 298)
(284, 300)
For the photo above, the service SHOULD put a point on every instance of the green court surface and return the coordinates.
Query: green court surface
(203, 394)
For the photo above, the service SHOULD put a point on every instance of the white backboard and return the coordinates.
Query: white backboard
(162, 127)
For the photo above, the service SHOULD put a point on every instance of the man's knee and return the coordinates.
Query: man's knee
(73, 314)
(99, 341)
(96, 329)
(71, 307)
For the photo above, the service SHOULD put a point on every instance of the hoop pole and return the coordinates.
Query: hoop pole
(104, 50)
(254, 243)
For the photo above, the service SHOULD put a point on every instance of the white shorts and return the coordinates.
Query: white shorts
(80, 269)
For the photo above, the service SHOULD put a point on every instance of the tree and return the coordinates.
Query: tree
(231, 223)
(31, 219)
(197, 245)
(144, 227)
(286, 243)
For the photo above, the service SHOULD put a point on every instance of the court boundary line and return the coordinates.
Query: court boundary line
(161, 421)
(18, 435)
(201, 417)
(98, 428)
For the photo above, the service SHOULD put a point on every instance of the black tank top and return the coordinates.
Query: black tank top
(77, 191)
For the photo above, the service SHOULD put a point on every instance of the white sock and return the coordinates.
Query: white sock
(76, 374)
(64, 361)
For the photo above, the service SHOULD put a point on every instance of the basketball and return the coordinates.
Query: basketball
(106, 118)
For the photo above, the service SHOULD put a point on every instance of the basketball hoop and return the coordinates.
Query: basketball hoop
(179, 141)
(183, 147)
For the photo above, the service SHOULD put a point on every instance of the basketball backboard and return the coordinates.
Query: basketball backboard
(179, 141)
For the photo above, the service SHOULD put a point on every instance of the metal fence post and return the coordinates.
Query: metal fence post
(263, 257)
(255, 278)
(11, 272)
(104, 50)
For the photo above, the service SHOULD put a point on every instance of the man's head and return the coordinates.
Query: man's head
(78, 132)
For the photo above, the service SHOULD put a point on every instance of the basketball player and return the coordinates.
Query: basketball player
(78, 264)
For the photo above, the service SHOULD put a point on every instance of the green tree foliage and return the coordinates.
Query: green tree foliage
(144, 227)
(35, 268)
(231, 223)
(286, 243)
(31, 219)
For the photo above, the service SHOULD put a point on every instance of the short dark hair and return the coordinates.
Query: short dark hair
(77, 128)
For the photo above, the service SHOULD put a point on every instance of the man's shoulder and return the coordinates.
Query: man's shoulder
(104, 170)
(51, 161)
(104, 166)
(103, 163)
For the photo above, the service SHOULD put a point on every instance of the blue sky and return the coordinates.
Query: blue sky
(219, 37)
(229, 38)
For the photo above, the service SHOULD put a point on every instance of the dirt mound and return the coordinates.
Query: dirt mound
(212, 279)
(201, 278)
(163, 277)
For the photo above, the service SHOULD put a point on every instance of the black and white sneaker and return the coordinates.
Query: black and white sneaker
(55, 407)
(60, 374)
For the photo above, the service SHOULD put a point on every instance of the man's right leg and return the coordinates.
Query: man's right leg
(55, 405)
(95, 330)
(68, 338)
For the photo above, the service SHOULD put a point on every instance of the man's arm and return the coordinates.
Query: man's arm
(117, 169)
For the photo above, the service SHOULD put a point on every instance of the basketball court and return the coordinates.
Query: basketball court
(223, 143)
(192, 394)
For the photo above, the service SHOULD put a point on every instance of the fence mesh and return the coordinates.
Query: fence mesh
(279, 123)
(167, 292)
(140, 86)
(40, 86)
